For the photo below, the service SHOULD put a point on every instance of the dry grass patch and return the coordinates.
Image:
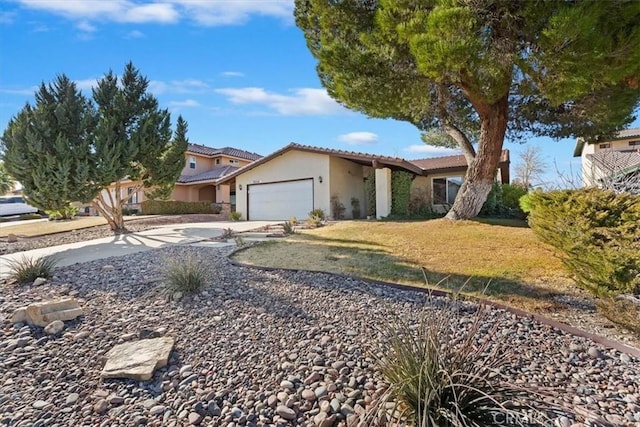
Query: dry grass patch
(42, 228)
(507, 262)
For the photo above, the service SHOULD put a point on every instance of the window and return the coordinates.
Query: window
(232, 197)
(192, 162)
(234, 161)
(602, 146)
(445, 190)
(217, 161)
(634, 143)
(134, 198)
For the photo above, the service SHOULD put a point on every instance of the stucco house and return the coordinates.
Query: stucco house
(200, 179)
(612, 160)
(298, 178)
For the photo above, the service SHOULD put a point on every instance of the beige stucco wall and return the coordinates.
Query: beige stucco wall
(383, 192)
(204, 163)
(346, 182)
(223, 193)
(292, 165)
(207, 193)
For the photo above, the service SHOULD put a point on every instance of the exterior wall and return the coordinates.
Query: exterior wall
(205, 163)
(292, 165)
(346, 182)
(223, 193)
(591, 174)
(420, 192)
(184, 193)
(207, 193)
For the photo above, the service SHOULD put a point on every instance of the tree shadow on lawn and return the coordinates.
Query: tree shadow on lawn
(504, 222)
(377, 264)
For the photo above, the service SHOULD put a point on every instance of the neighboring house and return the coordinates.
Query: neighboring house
(298, 178)
(200, 179)
(609, 162)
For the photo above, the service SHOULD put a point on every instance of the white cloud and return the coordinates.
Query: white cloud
(86, 84)
(225, 12)
(135, 34)
(158, 87)
(232, 74)
(302, 101)
(358, 138)
(85, 26)
(187, 103)
(201, 12)
(430, 149)
(21, 91)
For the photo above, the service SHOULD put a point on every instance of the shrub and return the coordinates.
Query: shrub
(400, 192)
(597, 232)
(68, 212)
(317, 213)
(293, 220)
(239, 241)
(216, 208)
(337, 208)
(370, 190)
(186, 275)
(441, 373)
(288, 228)
(172, 207)
(27, 269)
(130, 211)
(355, 208)
(235, 216)
(511, 194)
(503, 201)
(227, 233)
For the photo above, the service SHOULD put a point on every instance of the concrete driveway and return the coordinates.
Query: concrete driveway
(176, 234)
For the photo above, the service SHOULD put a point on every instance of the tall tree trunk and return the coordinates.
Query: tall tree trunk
(111, 212)
(481, 172)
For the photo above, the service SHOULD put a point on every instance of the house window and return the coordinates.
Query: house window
(634, 143)
(603, 146)
(232, 197)
(192, 162)
(217, 161)
(133, 195)
(233, 161)
(446, 189)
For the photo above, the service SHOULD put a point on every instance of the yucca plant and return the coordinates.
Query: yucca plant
(288, 227)
(187, 275)
(27, 269)
(445, 371)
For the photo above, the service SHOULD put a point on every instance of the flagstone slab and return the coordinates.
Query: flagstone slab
(138, 360)
(45, 312)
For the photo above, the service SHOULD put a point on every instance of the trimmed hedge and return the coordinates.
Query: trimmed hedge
(400, 192)
(172, 207)
(598, 232)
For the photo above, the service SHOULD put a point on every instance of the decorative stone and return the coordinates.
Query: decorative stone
(12, 238)
(286, 412)
(43, 313)
(195, 418)
(137, 360)
(54, 327)
(39, 281)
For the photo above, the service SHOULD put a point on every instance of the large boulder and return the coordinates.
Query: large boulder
(138, 360)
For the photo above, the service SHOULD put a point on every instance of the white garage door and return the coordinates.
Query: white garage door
(280, 200)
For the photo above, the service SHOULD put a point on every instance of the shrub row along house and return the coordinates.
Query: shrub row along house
(613, 163)
(298, 179)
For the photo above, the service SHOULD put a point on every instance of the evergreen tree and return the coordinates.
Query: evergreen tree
(67, 149)
(6, 182)
(487, 68)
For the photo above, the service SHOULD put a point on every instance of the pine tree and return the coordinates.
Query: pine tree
(67, 149)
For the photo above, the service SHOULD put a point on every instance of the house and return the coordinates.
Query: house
(298, 178)
(199, 181)
(609, 162)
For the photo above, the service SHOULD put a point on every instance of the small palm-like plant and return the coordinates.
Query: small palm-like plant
(288, 227)
(445, 371)
(187, 275)
(27, 269)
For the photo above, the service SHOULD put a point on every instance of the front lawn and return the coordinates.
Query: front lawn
(501, 259)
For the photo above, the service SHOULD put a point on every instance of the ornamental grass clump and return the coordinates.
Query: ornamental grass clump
(27, 269)
(186, 275)
(446, 370)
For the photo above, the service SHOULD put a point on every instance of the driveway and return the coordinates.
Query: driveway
(176, 234)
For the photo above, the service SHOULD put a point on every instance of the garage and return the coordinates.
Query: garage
(280, 200)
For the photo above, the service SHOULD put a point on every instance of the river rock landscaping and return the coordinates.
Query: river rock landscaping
(256, 348)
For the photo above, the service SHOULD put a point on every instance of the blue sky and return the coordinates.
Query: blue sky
(237, 70)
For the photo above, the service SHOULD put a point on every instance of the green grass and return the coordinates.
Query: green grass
(502, 259)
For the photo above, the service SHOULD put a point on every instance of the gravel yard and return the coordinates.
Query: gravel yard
(255, 348)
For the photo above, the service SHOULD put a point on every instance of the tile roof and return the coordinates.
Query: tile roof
(449, 162)
(615, 162)
(229, 151)
(209, 175)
